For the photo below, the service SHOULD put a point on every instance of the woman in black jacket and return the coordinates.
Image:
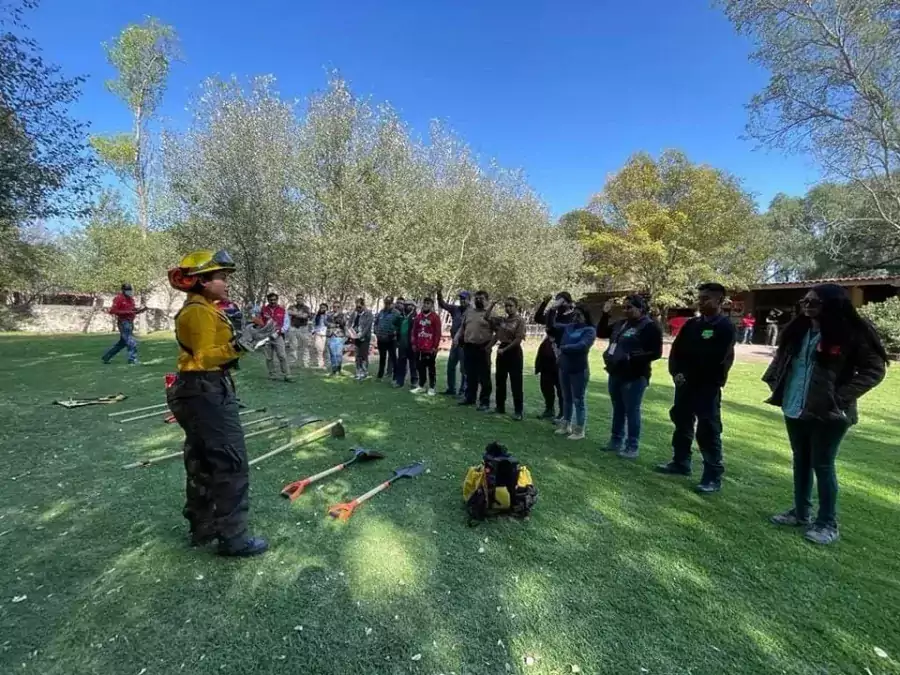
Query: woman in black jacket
(634, 343)
(827, 358)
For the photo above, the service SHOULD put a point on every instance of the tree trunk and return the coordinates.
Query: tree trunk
(140, 184)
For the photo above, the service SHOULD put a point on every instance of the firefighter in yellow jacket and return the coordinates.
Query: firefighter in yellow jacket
(204, 403)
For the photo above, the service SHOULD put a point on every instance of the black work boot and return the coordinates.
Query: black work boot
(709, 483)
(199, 539)
(674, 468)
(242, 547)
(548, 414)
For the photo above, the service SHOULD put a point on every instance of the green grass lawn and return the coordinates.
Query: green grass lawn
(619, 570)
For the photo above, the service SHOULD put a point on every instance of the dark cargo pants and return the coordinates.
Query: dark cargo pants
(215, 457)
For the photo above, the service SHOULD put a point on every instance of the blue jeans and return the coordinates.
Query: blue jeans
(748, 335)
(126, 339)
(456, 358)
(574, 386)
(626, 395)
(336, 353)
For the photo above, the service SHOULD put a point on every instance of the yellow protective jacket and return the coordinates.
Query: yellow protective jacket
(205, 337)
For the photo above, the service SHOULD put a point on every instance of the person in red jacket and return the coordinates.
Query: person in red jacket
(748, 324)
(123, 308)
(426, 338)
(275, 313)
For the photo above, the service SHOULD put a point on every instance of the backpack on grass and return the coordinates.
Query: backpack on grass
(498, 486)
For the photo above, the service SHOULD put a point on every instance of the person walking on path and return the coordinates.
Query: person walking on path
(456, 357)
(699, 362)
(829, 357)
(204, 403)
(477, 334)
(386, 324)
(275, 347)
(319, 337)
(406, 357)
(634, 343)
(336, 336)
(299, 337)
(426, 340)
(359, 329)
(772, 319)
(546, 367)
(509, 335)
(577, 336)
(123, 308)
(748, 324)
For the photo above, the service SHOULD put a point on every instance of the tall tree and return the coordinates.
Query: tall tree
(670, 225)
(142, 55)
(45, 170)
(834, 91)
(232, 179)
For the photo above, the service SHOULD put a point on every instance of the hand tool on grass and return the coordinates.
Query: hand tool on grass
(334, 429)
(296, 488)
(296, 423)
(82, 402)
(163, 412)
(158, 406)
(268, 430)
(260, 420)
(344, 511)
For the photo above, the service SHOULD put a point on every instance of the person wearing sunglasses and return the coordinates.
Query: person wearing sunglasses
(828, 358)
(202, 398)
(509, 333)
(634, 343)
(699, 362)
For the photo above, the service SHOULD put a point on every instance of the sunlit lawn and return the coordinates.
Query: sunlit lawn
(618, 571)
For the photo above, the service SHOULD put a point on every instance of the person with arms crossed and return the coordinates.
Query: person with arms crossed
(426, 340)
(509, 335)
(275, 347)
(477, 334)
(359, 330)
(386, 323)
(299, 337)
(699, 362)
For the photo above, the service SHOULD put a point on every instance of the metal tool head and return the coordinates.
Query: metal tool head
(410, 471)
(364, 455)
(338, 431)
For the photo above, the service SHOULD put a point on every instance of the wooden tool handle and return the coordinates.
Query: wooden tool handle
(137, 410)
(300, 441)
(153, 460)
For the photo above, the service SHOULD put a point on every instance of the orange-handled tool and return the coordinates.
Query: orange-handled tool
(344, 511)
(296, 488)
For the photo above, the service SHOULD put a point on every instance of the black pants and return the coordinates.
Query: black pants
(698, 406)
(406, 361)
(387, 356)
(551, 390)
(478, 374)
(215, 458)
(425, 362)
(510, 365)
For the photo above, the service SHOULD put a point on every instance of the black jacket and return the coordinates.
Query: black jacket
(840, 376)
(703, 351)
(636, 346)
(545, 359)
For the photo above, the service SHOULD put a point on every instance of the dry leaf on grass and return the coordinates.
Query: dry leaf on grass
(20, 598)
(416, 657)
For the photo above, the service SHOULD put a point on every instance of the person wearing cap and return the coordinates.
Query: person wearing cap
(275, 347)
(202, 399)
(634, 343)
(123, 309)
(456, 357)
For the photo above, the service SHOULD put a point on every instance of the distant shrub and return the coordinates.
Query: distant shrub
(886, 317)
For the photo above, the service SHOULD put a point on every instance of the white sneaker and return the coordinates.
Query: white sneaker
(432, 392)
(417, 390)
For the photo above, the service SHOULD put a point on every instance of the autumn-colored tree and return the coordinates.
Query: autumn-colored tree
(670, 225)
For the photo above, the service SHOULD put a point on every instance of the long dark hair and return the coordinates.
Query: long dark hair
(839, 322)
(588, 319)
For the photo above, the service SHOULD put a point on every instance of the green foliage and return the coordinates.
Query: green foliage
(142, 55)
(669, 225)
(111, 249)
(886, 317)
(118, 152)
(45, 171)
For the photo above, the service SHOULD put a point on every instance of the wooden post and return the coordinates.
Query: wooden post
(856, 296)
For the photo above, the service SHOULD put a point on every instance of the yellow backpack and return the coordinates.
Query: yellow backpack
(498, 486)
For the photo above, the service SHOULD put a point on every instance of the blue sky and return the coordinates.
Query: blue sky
(566, 90)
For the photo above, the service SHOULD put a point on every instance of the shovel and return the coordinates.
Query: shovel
(296, 488)
(297, 423)
(344, 511)
(335, 429)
